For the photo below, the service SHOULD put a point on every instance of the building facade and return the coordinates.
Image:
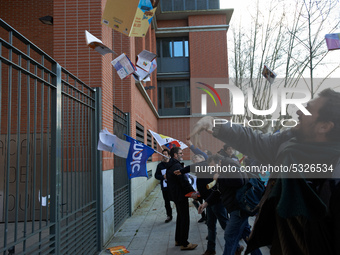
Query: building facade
(190, 39)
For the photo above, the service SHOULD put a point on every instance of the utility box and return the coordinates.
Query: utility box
(130, 17)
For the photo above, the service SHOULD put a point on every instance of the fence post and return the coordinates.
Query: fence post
(97, 167)
(56, 156)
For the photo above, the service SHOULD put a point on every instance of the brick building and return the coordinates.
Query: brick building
(190, 39)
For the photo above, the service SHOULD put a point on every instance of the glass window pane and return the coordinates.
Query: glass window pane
(190, 4)
(168, 100)
(186, 48)
(158, 48)
(202, 4)
(178, 48)
(180, 97)
(159, 97)
(214, 4)
(166, 48)
(166, 5)
(187, 94)
(178, 5)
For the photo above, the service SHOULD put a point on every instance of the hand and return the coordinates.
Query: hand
(206, 123)
(202, 207)
(194, 195)
(164, 177)
(189, 142)
(215, 177)
(177, 172)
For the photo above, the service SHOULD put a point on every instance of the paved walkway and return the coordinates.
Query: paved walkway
(146, 233)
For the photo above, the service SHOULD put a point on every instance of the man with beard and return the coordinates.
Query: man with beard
(299, 212)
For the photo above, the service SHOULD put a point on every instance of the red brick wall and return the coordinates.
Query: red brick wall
(71, 19)
(172, 23)
(24, 16)
(210, 46)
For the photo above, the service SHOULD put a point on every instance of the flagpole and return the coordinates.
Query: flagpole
(161, 154)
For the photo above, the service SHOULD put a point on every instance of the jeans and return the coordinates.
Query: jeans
(215, 212)
(233, 232)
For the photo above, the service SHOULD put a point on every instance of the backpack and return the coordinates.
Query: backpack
(250, 194)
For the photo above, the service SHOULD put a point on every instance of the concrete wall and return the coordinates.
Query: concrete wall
(141, 187)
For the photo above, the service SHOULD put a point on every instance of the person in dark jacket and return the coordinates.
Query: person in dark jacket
(215, 210)
(228, 152)
(299, 212)
(178, 187)
(160, 175)
(226, 187)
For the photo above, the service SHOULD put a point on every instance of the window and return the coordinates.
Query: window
(186, 5)
(139, 132)
(166, 48)
(149, 143)
(174, 97)
(173, 55)
(154, 144)
(170, 48)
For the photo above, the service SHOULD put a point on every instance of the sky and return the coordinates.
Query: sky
(332, 58)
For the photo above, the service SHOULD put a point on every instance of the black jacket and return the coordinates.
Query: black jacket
(159, 175)
(202, 178)
(178, 185)
(227, 185)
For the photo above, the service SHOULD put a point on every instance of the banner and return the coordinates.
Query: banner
(111, 143)
(167, 141)
(137, 157)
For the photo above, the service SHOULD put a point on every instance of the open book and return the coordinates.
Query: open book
(96, 44)
(144, 60)
(146, 64)
(142, 75)
(123, 66)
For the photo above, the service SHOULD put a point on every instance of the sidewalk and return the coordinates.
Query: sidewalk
(146, 233)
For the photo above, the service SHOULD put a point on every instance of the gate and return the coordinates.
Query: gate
(122, 205)
(49, 170)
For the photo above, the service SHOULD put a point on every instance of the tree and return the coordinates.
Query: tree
(287, 38)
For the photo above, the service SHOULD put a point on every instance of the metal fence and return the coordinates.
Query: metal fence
(49, 167)
(121, 184)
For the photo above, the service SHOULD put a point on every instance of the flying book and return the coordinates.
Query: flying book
(333, 41)
(145, 60)
(142, 75)
(268, 74)
(96, 44)
(123, 65)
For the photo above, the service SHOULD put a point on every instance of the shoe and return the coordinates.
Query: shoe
(190, 246)
(239, 250)
(209, 252)
(177, 243)
(203, 219)
(168, 219)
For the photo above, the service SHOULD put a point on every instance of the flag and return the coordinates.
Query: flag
(167, 141)
(333, 41)
(268, 74)
(137, 157)
(111, 143)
